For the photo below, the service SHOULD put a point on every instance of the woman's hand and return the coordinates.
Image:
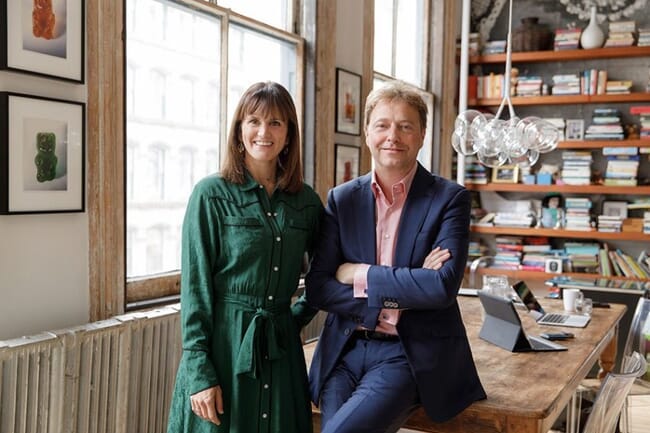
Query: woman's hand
(207, 404)
(436, 259)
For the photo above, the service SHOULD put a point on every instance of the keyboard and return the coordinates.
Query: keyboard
(555, 318)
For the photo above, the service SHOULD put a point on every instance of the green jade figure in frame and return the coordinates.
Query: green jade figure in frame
(45, 159)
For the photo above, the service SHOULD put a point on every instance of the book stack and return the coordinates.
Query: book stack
(621, 170)
(567, 39)
(513, 219)
(566, 84)
(646, 224)
(605, 125)
(610, 223)
(508, 252)
(624, 265)
(578, 213)
(618, 87)
(593, 82)
(529, 86)
(576, 167)
(536, 250)
(475, 172)
(643, 111)
(583, 256)
(621, 34)
(476, 249)
(494, 47)
(490, 86)
(644, 37)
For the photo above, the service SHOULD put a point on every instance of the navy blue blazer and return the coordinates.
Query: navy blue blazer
(436, 213)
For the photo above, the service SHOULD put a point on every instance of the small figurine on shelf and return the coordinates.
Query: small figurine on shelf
(552, 211)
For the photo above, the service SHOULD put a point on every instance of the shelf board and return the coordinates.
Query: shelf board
(599, 144)
(563, 55)
(536, 275)
(581, 189)
(562, 99)
(560, 233)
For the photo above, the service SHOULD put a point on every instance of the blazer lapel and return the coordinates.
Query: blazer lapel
(415, 211)
(366, 222)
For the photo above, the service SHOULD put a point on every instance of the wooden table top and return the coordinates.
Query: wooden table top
(526, 391)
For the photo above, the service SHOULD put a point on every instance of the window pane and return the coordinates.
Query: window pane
(410, 40)
(257, 57)
(384, 36)
(399, 39)
(276, 13)
(173, 113)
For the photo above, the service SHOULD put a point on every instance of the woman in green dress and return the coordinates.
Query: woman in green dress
(245, 235)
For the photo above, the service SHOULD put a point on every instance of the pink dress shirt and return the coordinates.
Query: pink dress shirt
(388, 211)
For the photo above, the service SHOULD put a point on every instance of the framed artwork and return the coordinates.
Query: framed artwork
(615, 208)
(44, 38)
(575, 129)
(505, 174)
(42, 155)
(347, 163)
(348, 102)
(426, 153)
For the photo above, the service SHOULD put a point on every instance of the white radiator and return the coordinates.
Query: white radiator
(111, 376)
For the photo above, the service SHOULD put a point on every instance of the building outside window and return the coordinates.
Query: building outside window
(179, 103)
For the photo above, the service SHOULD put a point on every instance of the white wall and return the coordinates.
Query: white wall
(43, 257)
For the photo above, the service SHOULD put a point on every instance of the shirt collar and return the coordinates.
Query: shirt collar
(403, 184)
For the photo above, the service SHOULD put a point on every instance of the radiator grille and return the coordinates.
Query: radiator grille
(110, 376)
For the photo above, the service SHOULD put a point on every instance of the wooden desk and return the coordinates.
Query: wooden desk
(526, 391)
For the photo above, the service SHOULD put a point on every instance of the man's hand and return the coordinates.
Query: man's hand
(436, 259)
(207, 404)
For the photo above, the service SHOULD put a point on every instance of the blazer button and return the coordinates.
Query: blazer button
(346, 332)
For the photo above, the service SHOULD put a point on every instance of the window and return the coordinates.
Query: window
(400, 41)
(188, 81)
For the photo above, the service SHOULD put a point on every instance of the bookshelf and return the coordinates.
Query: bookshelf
(560, 103)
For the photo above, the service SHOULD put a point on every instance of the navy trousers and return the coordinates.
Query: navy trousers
(371, 390)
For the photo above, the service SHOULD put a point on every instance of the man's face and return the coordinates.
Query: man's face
(394, 136)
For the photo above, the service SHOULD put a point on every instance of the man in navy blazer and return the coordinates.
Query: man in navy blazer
(387, 269)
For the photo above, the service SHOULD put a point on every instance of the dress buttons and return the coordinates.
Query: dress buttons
(386, 236)
(266, 386)
(261, 186)
(268, 214)
(270, 298)
(276, 269)
(278, 239)
(275, 214)
(264, 415)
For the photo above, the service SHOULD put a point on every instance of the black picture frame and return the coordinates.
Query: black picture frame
(348, 102)
(55, 51)
(42, 154)
(347, 163)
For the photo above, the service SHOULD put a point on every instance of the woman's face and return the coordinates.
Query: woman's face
(264, 136)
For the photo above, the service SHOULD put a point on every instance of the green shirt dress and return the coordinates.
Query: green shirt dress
(242, 254)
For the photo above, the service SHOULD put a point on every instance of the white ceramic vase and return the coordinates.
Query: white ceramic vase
(592, 36)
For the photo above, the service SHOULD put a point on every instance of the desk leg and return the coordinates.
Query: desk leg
(608, 357)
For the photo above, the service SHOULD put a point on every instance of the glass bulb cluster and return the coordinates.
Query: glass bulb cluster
(498, 142)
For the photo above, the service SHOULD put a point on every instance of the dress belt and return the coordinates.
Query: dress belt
(366, 334)
(262, 327)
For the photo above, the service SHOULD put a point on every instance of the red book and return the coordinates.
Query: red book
(640, 109)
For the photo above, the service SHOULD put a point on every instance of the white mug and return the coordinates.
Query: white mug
(569, 297)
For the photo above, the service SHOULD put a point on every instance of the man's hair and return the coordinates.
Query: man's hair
(264, 98)
(397, 90)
